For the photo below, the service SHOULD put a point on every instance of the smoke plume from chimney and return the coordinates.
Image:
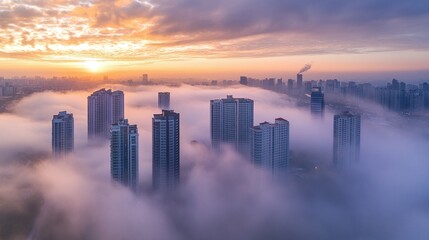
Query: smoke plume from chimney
(305, 68)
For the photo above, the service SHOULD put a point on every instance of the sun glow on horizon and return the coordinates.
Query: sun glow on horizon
(92, 65)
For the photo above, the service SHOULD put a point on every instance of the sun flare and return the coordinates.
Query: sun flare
(92, 65)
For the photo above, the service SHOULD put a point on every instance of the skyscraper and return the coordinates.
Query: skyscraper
(346, 139)
(270, 145)
(166, 150)
(104, 109)
(124, 154)
(145, 78)
(290, 85)
(243, 80)
(317, 100)
(299, 81)
(231, 120)
(62, 134)
(164, 100)
(280, 86)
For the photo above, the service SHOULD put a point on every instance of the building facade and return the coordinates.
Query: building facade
(62, 134)
(317, 103)
(166, 150)
(231, 120)
(145, 78)
(270, 145)
(105, 107)
(243, 80)
(124, 154)
(346, 139)
(299, 80)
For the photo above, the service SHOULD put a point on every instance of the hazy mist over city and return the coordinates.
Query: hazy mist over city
(222, 196)
(214, 119)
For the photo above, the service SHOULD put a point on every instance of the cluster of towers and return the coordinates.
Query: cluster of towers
(231, 120)
(267, 145)
(106, 120)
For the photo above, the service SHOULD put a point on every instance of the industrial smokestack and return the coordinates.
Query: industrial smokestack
(299, 80)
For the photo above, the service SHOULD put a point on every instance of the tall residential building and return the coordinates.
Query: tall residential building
(9, 90)
(270, 145)
(243, 80)
(145, 78)
(290, 85)
(299, 80)
(346, 139)
(317, 100)
(104, 109)
(62, 134)
(231, 120)
(124, 154)
(166, 150)
(280, 86)
(164, 100)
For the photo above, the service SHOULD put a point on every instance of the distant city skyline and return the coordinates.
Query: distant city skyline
(234, 74)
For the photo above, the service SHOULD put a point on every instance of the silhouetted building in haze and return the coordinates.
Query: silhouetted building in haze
(164, 100)
(243, 80)
(145, 79)
(8, 90)
(347, 129)
(299, 80)
(290, 83)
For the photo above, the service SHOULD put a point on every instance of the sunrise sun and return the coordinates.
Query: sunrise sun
(92, 65)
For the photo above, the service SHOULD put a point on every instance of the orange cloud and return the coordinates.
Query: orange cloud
(142, 31)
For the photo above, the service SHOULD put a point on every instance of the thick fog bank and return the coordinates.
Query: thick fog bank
(222, 196)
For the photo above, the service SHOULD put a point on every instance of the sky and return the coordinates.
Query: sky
(214, 39)
(221, 195)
